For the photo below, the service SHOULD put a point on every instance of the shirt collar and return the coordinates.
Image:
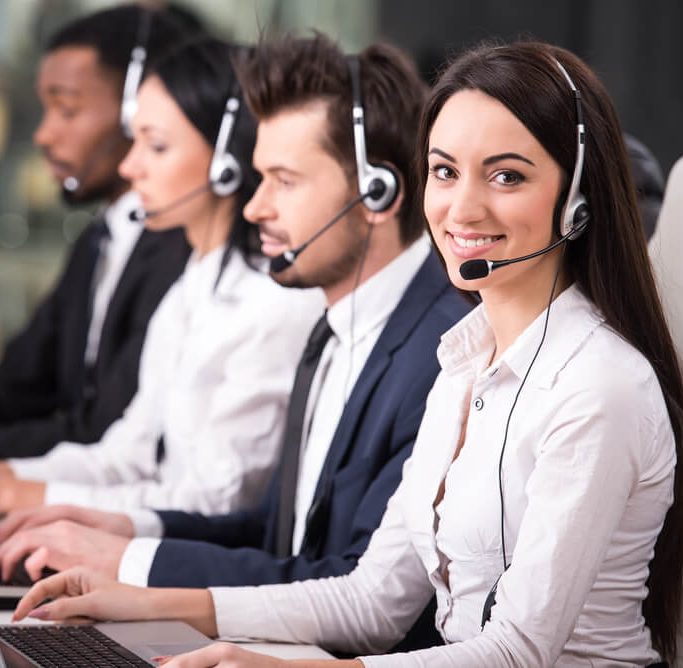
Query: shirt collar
(117, 215)
(573, 317)
(201, 273)
(357, 314)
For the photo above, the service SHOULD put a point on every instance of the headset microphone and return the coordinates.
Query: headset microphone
(281, 262)
(140, 214)
(474, 269)
(73, 182)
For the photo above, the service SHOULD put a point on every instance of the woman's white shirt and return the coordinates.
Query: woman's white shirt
(587, 480)
(215, 375)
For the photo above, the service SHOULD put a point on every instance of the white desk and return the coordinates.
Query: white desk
(280, 650)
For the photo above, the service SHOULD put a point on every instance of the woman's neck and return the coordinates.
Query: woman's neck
(212, 226)
(510, 310)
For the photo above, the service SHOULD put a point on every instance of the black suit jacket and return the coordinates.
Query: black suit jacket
(43, 397)
(374, 437)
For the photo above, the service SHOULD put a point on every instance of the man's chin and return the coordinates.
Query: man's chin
(289, 278)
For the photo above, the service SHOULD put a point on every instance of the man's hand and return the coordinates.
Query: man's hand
(61, 545)
(115, 523)
(16, 494)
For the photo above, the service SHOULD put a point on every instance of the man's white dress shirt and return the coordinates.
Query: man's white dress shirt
(114, 255)
(357, 320)
(587, 479)
(216, 371)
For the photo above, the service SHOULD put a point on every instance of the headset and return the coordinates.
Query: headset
(378, 181)
(225, 172)
(378, 185)
(134, 71)
(574, 216)
(129, 103)
(573, 221)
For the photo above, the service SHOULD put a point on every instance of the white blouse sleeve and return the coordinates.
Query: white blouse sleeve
(603, 443)
(370, 609)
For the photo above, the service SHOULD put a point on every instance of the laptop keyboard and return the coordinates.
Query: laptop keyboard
(73, 646)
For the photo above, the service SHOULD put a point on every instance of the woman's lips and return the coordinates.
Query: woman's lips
(471, 246)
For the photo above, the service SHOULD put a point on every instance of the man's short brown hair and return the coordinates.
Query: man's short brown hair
(287, 73)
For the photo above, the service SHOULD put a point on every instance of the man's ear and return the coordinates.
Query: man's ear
(379, 217)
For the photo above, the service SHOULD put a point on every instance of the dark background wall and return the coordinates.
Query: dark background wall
(636, 46)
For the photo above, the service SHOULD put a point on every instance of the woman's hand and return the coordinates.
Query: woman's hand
(224, 655)
(227, 655)
(79, 593)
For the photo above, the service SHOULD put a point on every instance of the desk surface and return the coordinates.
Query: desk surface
(280, 650)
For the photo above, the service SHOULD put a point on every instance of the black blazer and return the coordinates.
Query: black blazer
(43, 397)
(374, 437)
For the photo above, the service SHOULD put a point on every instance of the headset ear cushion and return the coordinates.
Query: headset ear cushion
(580, 219)
(382, 184)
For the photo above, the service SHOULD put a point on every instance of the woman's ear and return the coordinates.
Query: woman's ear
(379, 217)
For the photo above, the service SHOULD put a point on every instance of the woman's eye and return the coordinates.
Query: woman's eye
(158, 148)
(508, 178)
(442, 172)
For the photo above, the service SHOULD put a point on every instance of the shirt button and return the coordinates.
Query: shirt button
(478, 403)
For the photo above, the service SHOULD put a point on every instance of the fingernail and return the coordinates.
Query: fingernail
(39, 613)
(161, 659)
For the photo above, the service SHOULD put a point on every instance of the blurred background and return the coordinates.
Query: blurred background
(634, 45)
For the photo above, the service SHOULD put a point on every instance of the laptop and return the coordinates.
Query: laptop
(10, 595)
(112, 644)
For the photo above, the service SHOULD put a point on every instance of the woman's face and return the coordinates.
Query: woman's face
(490, 193)
(169, 158)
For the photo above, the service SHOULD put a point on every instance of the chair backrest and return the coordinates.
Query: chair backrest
(666, 253)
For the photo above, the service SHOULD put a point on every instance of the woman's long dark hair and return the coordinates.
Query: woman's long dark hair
(609, 262)
(199, 76)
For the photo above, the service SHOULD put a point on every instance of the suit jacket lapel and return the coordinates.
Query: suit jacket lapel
(429, 282)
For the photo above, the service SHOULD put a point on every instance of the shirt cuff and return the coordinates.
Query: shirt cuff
(146, 523)
(136, 562)
(66, 492)
(30, 468)
(239, 613)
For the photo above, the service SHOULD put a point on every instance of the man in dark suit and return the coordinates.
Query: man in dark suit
(353, 423)
(72, 371)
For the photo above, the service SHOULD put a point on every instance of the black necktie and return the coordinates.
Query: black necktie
(293, 432)
(99, 235)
